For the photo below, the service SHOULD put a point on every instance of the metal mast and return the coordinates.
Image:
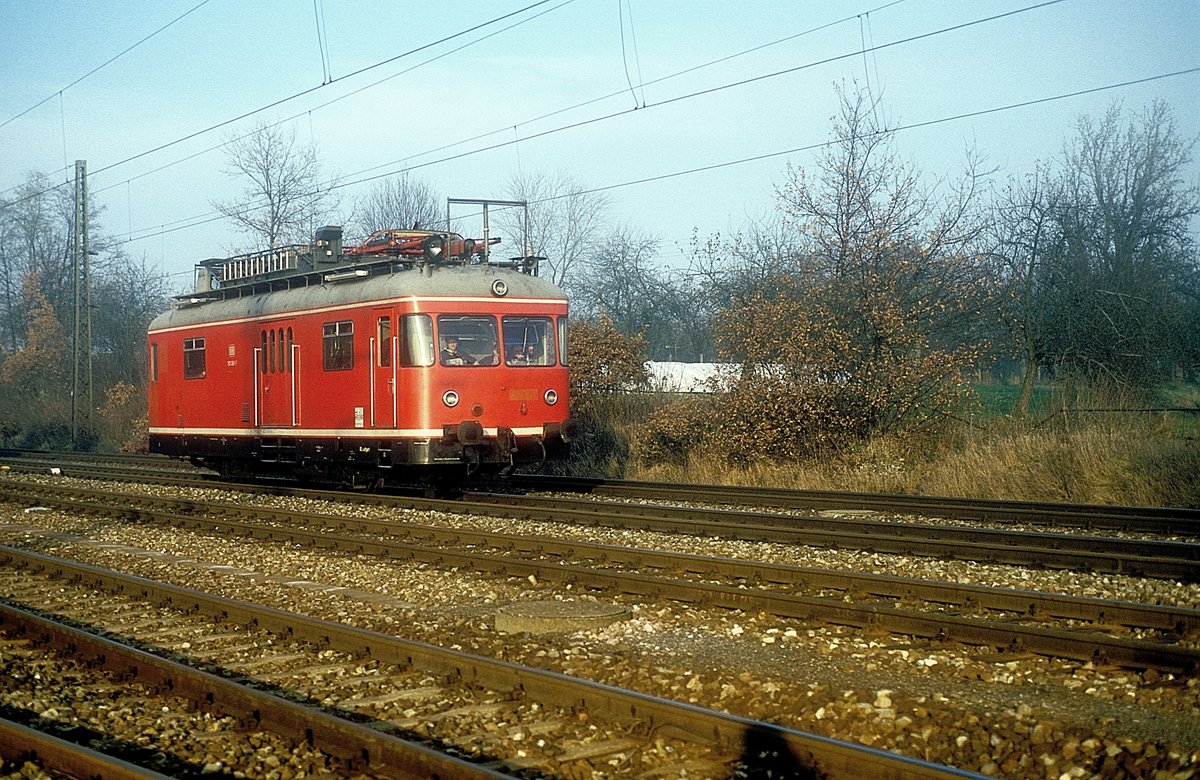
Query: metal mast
(81, 341)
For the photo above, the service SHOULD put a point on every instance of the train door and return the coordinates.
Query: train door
(384, 410)
(275, 366)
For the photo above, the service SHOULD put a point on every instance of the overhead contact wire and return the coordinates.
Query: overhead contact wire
(106, 63)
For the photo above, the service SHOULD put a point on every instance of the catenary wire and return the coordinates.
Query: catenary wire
(310, 90)
(690, 95)
(106, 63)
(330, 102)
(489, 133)
(206, 218)
(678, 98)
(619, 92)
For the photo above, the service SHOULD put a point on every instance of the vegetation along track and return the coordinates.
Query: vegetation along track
(441, 700)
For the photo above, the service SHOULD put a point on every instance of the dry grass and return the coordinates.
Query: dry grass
(1129, 458)
(1103, 462)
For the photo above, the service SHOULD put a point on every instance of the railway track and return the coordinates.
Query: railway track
(1048, 515)
(254, 728)
(897, 605)
(1143, 557)
(1173, 559)
(367, 525)
(426, 711)
(1042, 515)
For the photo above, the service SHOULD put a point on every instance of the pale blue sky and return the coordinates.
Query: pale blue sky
(229, 57)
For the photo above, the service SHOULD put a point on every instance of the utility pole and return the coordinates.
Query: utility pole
(81, 341)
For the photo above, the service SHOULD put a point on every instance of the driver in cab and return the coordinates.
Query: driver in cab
(452, 357)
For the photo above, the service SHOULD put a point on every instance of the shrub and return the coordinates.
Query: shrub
(604, 362)
(672, 432)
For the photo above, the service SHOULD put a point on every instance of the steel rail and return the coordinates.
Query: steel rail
(875, 538)
(1178, 620)
(135, 460)
(1162, 560)
(1075, 645)
(359, 745)
(1058, 643)
(1132, 548)
(58, 757)
(1167, 520)
(1159, 520)
(826, 757)
(1139, 557)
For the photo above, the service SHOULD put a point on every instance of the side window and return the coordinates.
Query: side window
(338, 346)
(468, 340)
(154, 362)
(288, 354)
(262, 354)
(271, 351)
(416, 340)
(529, 341)
(562, 340)
(383, 328)
(193, 359)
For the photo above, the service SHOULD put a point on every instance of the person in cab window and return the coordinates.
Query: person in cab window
(452, 357)
(516, 356)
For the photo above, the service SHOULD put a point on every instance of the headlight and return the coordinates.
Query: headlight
(450, 398)
(500, 287)
(551, 396)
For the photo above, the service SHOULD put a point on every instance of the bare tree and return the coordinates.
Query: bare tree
(727, 267)
(400, 202)
(285, 197)
(1127, 270)
(1026, 240)
(36, 226)
(618, 277)
(37, 310)
(865, 337)
(564, 221)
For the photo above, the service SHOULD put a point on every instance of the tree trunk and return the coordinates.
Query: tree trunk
(1028, 379)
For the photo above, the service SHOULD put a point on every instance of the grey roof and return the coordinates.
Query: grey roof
(467, 280)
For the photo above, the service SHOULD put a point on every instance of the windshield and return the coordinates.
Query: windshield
(529, 341)
(468, 340)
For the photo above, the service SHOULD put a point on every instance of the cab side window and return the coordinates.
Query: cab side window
(383, 326)
(416, 340)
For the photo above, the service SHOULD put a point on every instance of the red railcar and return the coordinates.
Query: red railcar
(307, 362)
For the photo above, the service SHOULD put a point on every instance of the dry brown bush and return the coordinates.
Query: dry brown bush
(1127, 459)
(604, 362)
(672, 433)
(824, 373)
(605, 365)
